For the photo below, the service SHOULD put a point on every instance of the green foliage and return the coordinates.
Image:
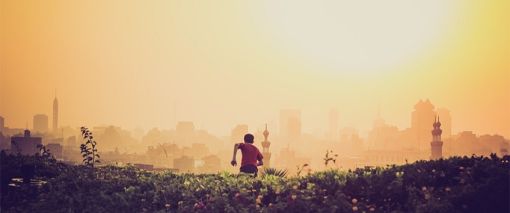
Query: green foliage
(88, 149)
(467, 184)
(275, 172)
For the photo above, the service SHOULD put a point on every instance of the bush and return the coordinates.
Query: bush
(467, 184)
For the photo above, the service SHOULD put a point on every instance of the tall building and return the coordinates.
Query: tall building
(290, 124)
(40, 123)
(25, 145)
(55, 114)
(265, 149)
(421, 118)
(437, 144)
(2, 124)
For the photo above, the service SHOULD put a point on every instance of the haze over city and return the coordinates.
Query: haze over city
(254, 106)
(220, 64)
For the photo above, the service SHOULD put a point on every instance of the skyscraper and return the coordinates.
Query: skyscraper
(290, 124)
(436, 145)
(55, 115)
(40, 123)
(421, 118)
(265, 149)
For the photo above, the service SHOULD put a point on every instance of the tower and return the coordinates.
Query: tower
(290, 125)
(55, 114)
(436, 145)
(265, 148)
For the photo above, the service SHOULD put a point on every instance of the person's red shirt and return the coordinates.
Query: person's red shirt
(250, 154)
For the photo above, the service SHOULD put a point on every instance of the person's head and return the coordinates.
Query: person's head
(248, 138)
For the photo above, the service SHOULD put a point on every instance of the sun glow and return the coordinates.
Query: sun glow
(368, 36)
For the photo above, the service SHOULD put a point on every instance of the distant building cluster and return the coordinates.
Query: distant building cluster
(188, 149)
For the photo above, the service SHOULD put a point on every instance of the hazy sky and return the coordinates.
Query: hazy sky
(220, 63)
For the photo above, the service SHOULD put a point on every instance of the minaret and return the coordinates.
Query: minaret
(265, 149)
(436, 145)
(55, 114)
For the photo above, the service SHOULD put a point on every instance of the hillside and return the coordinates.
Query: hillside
(467, 184)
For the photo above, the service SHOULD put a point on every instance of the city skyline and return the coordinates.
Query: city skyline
(254, 106)
(176, 62)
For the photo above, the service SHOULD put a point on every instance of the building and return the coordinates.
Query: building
(421, 118)
(184, 164)
(55, 149)
(25, 145)
(185, 132)
(238, 132)
(40, 123)
(265, 149)
(437, 144)
(290, 125)
(2, 124)
(212, 164)
(55, 115)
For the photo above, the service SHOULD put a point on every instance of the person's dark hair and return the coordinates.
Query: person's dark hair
(248, 138)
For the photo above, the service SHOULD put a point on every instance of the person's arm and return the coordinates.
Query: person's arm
(259, 158)
(234, 162)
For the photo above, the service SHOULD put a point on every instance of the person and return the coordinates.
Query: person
(251, 156)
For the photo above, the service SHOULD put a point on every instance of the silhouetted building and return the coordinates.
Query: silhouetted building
(4, 142)
(421, 118)
(55, 115)
(71, 143)
(212, 163)
(265, 149)
(55, 149)
(40, 123)
(383, 136)
(184, 164)
(25, 145)
(198, 150)
(238, 132)
(185, 132)
(2, 124)
(437, 144)
(290, 125)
